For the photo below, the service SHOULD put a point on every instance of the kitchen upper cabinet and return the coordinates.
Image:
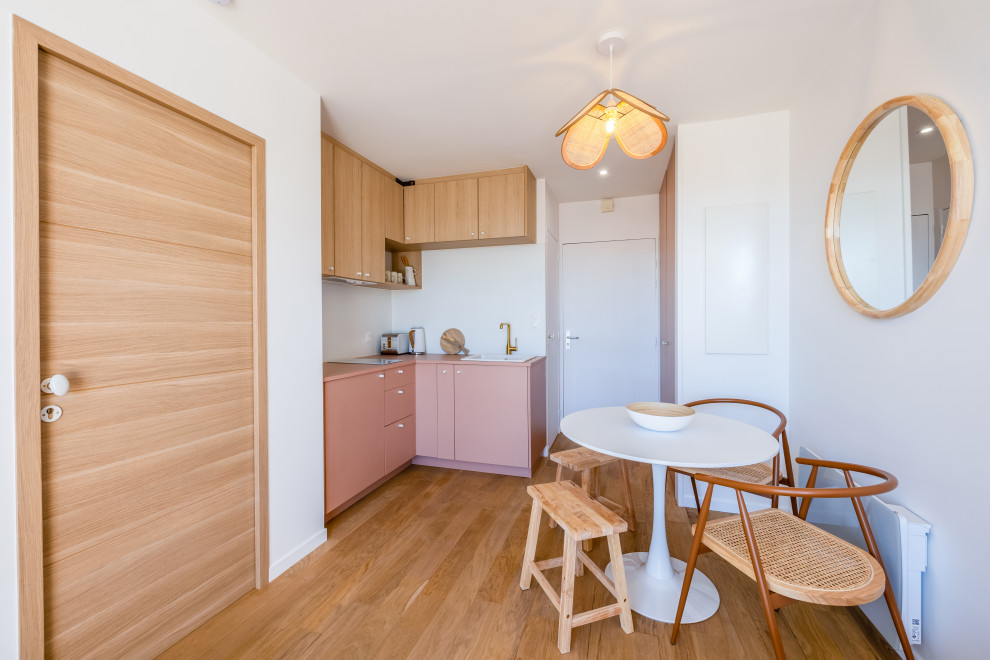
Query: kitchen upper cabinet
(348, 235)
(354, 409)
(419, 213)
(502, 205)
(491, 415)
(456, 205)
(326, 204)
(394, 229)
(374, 204)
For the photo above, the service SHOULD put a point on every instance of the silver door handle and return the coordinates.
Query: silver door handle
(665, 343)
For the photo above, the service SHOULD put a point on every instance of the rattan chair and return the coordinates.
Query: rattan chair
(758, 473)
(793, 559)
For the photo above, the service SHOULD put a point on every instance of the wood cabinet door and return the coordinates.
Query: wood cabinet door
(394, 226)
(354, 434)
(445, 411)
(502, 205)
(456, 204)
(374, 201)
(491, 409)
(426, 410)
(326, 204)
(400, 443)
(418, 209)
(347, 235)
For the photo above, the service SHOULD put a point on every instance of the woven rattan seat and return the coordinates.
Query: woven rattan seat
(800, 560)
(757, 473)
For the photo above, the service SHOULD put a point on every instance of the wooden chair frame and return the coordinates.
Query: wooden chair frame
(774, 601)
(780, 433)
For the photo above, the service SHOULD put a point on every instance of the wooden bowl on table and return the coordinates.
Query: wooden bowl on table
(660, 416)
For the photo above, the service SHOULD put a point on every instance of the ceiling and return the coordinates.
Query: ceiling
(446, 86)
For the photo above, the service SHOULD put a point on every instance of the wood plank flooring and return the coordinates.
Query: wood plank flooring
(427, 566)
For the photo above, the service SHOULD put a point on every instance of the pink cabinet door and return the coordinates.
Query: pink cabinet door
(445, 411)
(402, 375)
(399, 402)
(491, 409)
(400, 443)
(355, 437)
(426, 410)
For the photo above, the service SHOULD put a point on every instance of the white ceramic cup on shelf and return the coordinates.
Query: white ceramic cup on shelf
(410, 276)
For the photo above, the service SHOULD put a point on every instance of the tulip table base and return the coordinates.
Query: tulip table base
(654, 579)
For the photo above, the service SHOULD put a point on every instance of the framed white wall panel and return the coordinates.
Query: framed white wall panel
(737, 279)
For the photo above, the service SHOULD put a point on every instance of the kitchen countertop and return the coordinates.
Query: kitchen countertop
(335, 370)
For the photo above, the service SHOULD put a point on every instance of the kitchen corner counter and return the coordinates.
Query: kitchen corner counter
(336, 370)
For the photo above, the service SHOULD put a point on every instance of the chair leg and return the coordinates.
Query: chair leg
(888, 594)
(530, 553)
(560, 474)
(699, 532)
(627, 492)
(587, 483)
(694, 487)
(567, 595)
(619, 578)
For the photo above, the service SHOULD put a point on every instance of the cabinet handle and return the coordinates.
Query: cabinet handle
(472, 233)
(458, 371)
(408, 239)
(360, 274)
(331, 267)
(381, 375)
(402, 426)
(399, 392)
(401, 371)
(444, 371)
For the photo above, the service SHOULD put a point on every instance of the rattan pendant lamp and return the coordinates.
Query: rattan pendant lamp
(638, 127)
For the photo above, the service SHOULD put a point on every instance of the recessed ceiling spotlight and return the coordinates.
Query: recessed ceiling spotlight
(927, 129)
(220, 2)
(603, 172)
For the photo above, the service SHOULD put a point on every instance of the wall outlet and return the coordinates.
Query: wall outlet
(367, 335)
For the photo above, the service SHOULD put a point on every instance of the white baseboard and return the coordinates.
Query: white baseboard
(300, 551)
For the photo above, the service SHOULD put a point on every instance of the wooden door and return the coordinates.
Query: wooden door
(502, 205)
(347, 237)
(491, 409)
(456, 204)
(668, 275)
(354, 432)
(419, 213)
(148, 291)
(393, 213)
(326, 204)
(374, 201)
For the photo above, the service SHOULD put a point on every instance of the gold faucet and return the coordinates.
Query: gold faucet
(509, 348)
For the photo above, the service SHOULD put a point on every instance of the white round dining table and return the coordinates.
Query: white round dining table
(653, 578)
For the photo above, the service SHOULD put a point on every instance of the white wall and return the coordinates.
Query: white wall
(724, 163)
(354, 318)
(179, 46)
(908, 394)
(631, 217)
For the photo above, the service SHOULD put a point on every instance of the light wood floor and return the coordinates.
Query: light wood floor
(427, 566)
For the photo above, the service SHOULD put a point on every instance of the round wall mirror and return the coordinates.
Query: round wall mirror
(899, 206)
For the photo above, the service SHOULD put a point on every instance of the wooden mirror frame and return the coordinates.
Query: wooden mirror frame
(960, 202)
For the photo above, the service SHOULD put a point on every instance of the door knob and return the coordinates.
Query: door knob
(57, 385)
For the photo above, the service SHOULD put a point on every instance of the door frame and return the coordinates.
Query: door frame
(29, 40)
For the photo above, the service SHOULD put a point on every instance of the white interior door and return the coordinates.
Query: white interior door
(609, 304)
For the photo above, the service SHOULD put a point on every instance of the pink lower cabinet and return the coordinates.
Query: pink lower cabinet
(400, 443)
(354, 410)
(491, 415)
(486, 417)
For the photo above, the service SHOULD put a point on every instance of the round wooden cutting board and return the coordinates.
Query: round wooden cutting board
(452, 341)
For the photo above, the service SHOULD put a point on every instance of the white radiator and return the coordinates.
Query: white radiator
(901, 536)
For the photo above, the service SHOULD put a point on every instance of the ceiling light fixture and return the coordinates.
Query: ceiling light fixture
(638, 127)
(927, 129)
(603, 172)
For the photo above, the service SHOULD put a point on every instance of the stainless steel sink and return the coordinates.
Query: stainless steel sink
(495, 357)
(366, 361)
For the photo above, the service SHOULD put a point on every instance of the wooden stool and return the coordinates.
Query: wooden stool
(581, 518)
(587, 462)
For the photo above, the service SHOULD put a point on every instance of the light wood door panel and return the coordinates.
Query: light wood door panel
(147, 304)
(456, 204)
(326, 204)
(374, 202)
(419, 201)
(491, 407)
(347, 235)
(394, 226)
(502, 205)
